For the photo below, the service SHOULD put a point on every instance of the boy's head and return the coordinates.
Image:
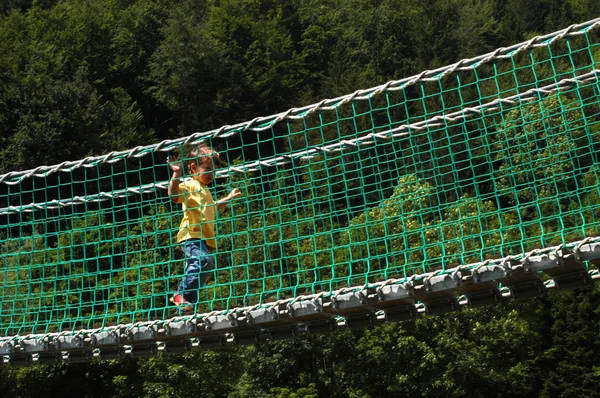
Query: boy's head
(202, 161)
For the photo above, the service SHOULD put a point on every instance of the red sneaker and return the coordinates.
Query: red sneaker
(179, 301)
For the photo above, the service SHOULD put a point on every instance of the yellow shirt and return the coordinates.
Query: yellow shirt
(199, 210)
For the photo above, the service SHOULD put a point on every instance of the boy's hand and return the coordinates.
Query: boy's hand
(176, 167)
(222, 204)
(235, 193)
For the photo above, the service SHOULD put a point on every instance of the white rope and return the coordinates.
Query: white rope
(78, 200)
(397, 132)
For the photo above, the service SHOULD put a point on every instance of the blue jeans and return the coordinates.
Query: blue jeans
(198, 264)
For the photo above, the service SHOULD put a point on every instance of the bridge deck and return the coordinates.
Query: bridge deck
(433, 293)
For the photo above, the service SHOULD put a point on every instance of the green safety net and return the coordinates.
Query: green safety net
(490, 157)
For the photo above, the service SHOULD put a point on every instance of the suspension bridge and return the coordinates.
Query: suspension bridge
(459, 187)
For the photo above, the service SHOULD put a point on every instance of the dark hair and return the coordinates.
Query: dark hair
(201, 153)
(206, 154)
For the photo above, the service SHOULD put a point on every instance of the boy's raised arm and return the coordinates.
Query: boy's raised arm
(177, 169)
(222, 203)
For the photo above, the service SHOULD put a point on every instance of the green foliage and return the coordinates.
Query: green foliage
(81, 78)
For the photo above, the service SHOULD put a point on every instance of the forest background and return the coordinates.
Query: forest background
(131, 73)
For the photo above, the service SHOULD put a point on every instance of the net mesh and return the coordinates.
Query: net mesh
(486, 158)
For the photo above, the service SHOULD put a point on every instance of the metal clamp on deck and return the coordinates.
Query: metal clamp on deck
(108, 337)
(180, 328)
(34, 345)
(262, 315)
(302, 308)
(589, 252)
(348, 300)
(493, 272)
(69, 342)
(221, 321)
(395, 292)
(557, 263)
(542, 262)
(7, 347)
(443, 282)
(141, 333)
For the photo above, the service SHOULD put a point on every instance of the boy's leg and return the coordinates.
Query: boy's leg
(198, 261)
(207, 263)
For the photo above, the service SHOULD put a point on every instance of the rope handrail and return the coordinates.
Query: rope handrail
(402, 130)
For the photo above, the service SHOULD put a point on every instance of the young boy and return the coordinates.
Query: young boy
(197, 230)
